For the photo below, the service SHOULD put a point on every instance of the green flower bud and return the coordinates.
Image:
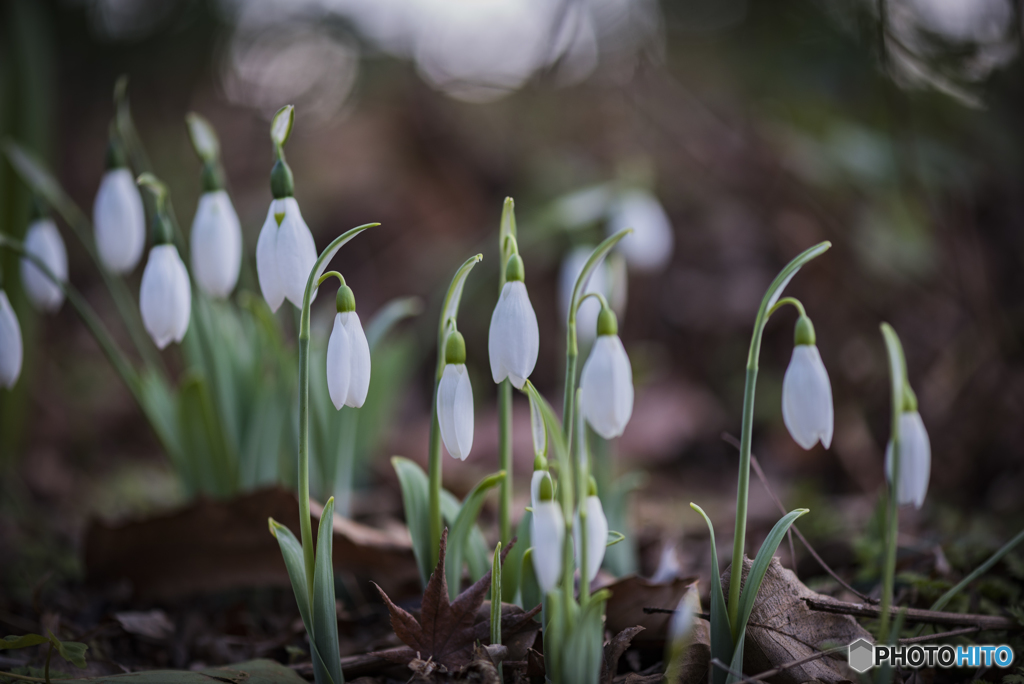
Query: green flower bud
(804, 332)
(455, 348)
(345, 300)
(547, 490)
(163, 232)
(539, 462)
(514, 270)
(213, 176)
(909, 399)
(282, 182)
(607, 323)
(592, 487)
(116, 157)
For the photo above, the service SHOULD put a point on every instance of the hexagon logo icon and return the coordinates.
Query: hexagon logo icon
(862, 655)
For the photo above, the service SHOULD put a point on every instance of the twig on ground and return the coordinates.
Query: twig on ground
(739, 675)
(729, 439)
(934, 617)
(940, 635)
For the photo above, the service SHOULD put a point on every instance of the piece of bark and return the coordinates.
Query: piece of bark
(782, 629)
(631, 594)
(827, 604)
(216, 545)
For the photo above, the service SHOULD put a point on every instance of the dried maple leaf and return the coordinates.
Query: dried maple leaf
(446, 633)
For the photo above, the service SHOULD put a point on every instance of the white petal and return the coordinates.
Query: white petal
(685, 616)
(514, 339)
(11, 350)
(807, 398)
(339, 363)
(266, 262)
(165, 298)
(606, 386)
(296, 252)
(548, 535)
(649, 248)
(455, 410)
(120, 221)
(597, 537)
(915, 460)
(216, 244)
(43, 240)
(359, 360)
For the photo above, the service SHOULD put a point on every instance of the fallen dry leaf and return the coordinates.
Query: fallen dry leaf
(631, 594)
(614, 649)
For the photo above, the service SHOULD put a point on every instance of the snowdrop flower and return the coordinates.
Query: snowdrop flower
(608, 280)
(118, 216)
(649, 248)
(44, 242)
(216, 244)
(547, 533)
(11, 350)
(915, 460)
(285, 251)
(514, 339)
(806, 391)
(597, 533)
(684, 618)
(166, 296)
(348, 354)
(455, 399)
(606, 384)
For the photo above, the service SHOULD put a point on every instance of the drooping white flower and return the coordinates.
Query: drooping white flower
(649, 247)
(165, 298)
(915, 460)
(11, 350)
(606, 384)
(348, 361)
(514, 339)
(597, 536)
(608, 279)
(684, 618)
(547, 533)
(455, 399)
(285, 254)
(216, 244)
(119, 220)
(44, 242)
(807, 398)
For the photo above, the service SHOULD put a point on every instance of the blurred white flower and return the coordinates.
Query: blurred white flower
(547, 534)
(608, 279)
(807, 398)
(514, 339)
(11, 350)
(455, 410)
(597, 536)
(649, 248)
(119, 220)
(606, 387)
(216, 244)
(348, 361)
(165, 298)
(685, 617)
(285, 254)
(43, 241)
(915, 460)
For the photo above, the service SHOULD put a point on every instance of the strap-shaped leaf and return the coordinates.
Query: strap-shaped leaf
(529, 589)
(325, 612)
(281, 125)
(758, 568)
(450, 307)
(774, 290)
(23, 641)
(203, 137)
(736, 664)
(325, 258)
(458, 538)
(415, 498)
(599, 253)
(721, 634)
(555, 437)
(496, 596)
(291, 551)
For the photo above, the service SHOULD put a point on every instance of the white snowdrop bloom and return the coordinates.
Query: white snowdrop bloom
(915, 460)
(597, 536)
(807, 398)
(216, 244)
(684, 618)
(119, 220)
(649, 248)
(606, 384)
(514, 338)
(455, 400)
(285, 254)
(11, 350)
(44, 242)
(547, 533)
(165, 297)
(348, 360)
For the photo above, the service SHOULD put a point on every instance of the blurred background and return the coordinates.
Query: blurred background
(732, 134)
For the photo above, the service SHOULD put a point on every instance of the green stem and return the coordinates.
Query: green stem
(505, 459)
(897, 375)
(572, 353)
(434, 471)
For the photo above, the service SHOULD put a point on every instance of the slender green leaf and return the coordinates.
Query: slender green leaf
(496, 596)
(512, 571)
(450, 307)
(599, 253)
(978, 572)
(23, 641)
(529, 589)
(774, 291)
(325, 612)
(415, 498)
(721, 634)
(291, 551)
(458, 537)
(325, 257)
(475, 552)
(736, 664)
(584, 646)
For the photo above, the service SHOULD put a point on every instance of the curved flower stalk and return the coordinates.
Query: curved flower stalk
(606, 383)
(649, 249)
(118, 215)
(285, 251)
(216, 238)
(806, 391)
(608, 279)
(11, 349)
(165, 298)
(43, 240)
(455, 399)
(348, 353)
